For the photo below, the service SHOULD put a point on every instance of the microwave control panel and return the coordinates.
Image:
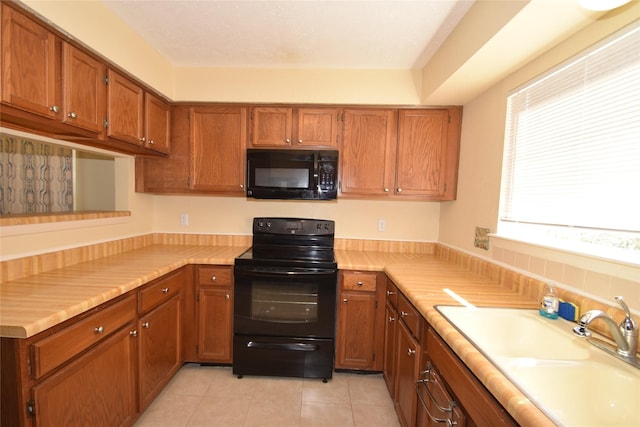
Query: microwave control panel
(327, 178)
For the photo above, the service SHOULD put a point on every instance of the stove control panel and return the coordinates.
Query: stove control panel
(297, 226)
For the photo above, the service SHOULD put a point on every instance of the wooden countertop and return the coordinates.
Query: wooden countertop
(35, 303)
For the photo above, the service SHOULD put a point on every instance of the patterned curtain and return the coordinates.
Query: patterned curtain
(34, 177)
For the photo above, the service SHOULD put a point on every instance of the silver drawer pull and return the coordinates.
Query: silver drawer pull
(133, 333)
(359, 283)
(98, 330)
(165, 290)
(411, 352)
(389, 293)
(146, 325)
(226, 296)
(391, 319)
(213, 278)
(403, 314)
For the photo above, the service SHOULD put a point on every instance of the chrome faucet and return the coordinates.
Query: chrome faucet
(625, 334)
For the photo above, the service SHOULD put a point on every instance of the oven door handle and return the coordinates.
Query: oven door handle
(284, 272)
(283, 346)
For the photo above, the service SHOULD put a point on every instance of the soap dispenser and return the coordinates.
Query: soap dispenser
(549, 303)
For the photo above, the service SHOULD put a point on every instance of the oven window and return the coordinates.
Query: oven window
(282, 177)
(284, 303)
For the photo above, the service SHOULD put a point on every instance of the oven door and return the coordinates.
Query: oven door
(285, 302)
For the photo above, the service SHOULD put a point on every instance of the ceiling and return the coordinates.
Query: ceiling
(335, 34)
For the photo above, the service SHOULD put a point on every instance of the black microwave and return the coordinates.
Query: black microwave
(292, 174)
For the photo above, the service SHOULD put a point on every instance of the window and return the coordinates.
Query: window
(571, 170)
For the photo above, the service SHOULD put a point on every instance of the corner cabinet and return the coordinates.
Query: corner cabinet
(214, 301)
(359, 338)
(218, 149)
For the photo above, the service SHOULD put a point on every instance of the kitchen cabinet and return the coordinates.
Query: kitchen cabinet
(359, 337)
(125, 109)
(367, 152)
(159, 331)
(408, 361)
(29, 64)
(97, 389)
(156, 123)
(215, 314)
(428, 151)
(407, 153)
(289, 127)
(218, 149)
(390, 334)
(474, 402)
(83, 88)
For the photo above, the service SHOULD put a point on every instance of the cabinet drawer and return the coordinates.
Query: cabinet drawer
(409, 315)
(357, 281)
(220, 276)
(160, 291)
(392, 294)
(56, 349)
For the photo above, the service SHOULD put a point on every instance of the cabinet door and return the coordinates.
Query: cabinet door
(317, 127)
(125, 103)
(407, 372)
(215, 331)
(368, 152)
(390, 350)
(28, 65)
(422, 151)
(156, 124)
(83, 89)
(218, 140)
(271, 126)
(97, 389)
(355, 341)
(160, 348)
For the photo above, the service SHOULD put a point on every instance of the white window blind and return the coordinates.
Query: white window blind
(572, 143)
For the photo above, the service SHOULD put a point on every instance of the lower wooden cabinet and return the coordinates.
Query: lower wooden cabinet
(159, 335)
(390, 334)
(407, 372)
(359, 335)
(215, 314)
(97, 389)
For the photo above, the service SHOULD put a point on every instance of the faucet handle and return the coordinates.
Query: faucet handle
(627, 324)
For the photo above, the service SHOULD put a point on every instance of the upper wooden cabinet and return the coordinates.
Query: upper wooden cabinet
(367, 152)
(125, 109)
(156, 123)
(294, 127)
(29, 64)
(218, 149)
(83, 89)
(410, 153)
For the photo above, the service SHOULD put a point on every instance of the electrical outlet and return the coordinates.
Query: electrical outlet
(382, 225)
(184, 219)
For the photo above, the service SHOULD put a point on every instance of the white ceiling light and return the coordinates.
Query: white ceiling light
(602, 4)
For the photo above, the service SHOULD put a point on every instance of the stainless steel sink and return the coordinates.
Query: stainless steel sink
(573, 382)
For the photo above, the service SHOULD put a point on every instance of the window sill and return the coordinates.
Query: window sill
(12, 225)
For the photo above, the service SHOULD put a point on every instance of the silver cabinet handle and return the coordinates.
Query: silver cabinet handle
(165, 290)
(151, 141)
(288, 141)
(99, 330)
(359, 283)
(411, 352)
(386, 190)
(391, 293)
(146, 325)
(299, 141)
(399, 190)
(213, 278)
(72, 115)
(241, 185)
(403, 314)
(54, 108)
(133, 333)
(392, 319)
(142, 139)
(226, 296)
(344, 301)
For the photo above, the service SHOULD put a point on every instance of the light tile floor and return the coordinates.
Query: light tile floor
(213, 396)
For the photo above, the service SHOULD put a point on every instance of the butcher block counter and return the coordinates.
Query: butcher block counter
(35, 303)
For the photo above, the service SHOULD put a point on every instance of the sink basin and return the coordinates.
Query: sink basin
(571, 381)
